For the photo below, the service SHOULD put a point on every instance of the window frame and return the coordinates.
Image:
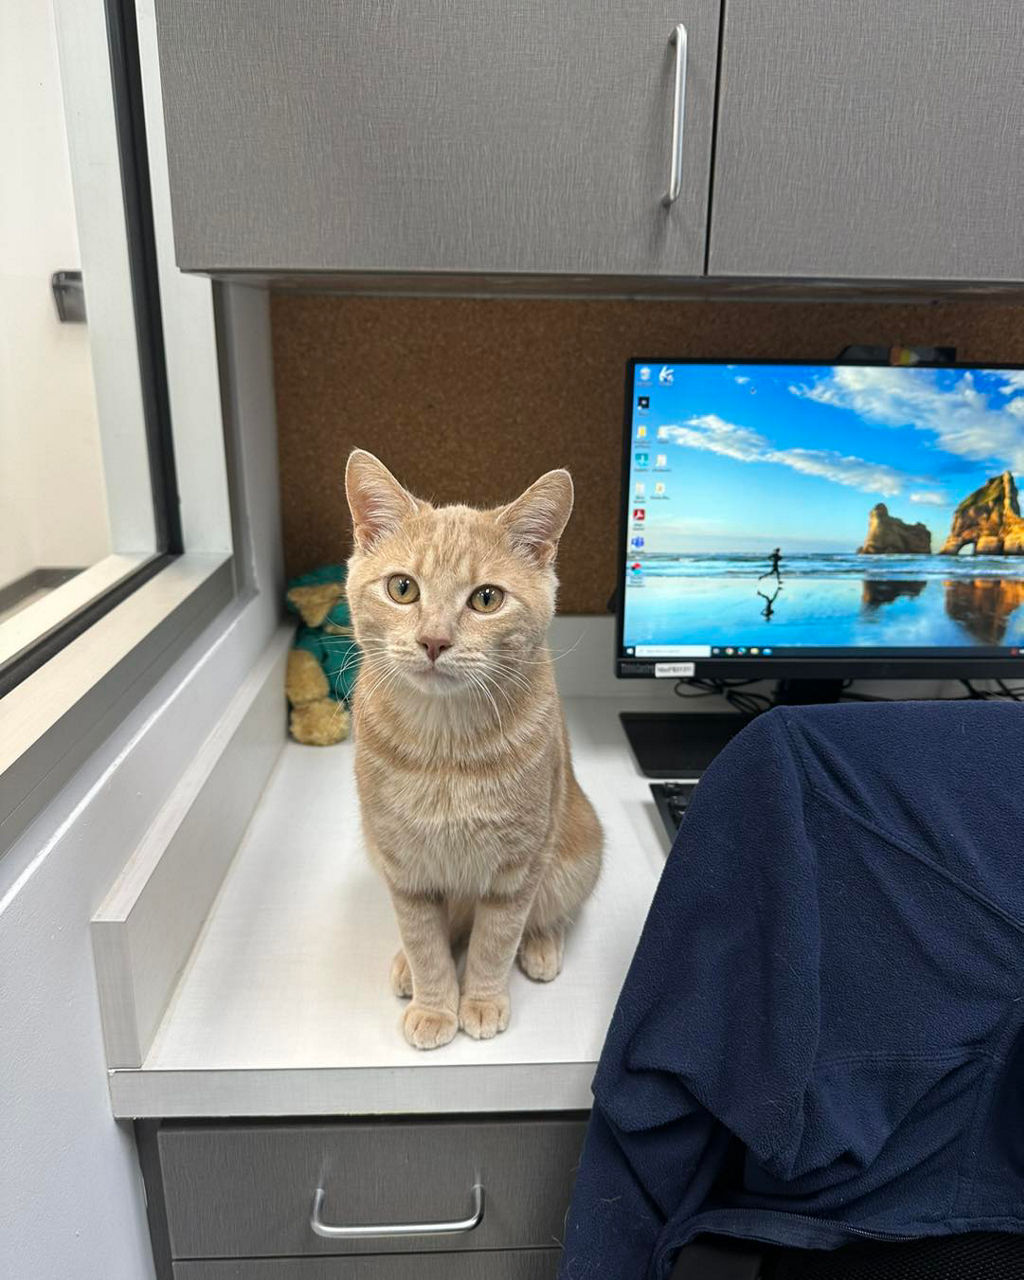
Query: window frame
(84, 655)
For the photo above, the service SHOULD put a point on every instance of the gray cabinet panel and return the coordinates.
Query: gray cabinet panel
(870, 139)
(526, 1264)
(353, 135)
(247, 1190)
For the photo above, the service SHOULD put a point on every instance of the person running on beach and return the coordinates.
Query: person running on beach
(776, 560)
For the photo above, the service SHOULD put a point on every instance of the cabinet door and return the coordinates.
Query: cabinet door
(871, 139)
(360, 135)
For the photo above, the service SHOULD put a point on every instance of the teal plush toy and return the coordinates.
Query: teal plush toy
(323, 662)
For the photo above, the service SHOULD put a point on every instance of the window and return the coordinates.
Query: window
(115, 529)
(87, 490)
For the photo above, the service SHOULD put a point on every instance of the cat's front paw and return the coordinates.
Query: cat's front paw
(428, 1028)
(483, 1017)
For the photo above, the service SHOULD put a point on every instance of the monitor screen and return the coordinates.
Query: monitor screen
(793, 516)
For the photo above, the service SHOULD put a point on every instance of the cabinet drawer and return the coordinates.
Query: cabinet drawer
(247, 1190)
(523, 1264)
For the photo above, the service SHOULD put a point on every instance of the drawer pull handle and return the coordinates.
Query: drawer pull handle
(678, 41)
(384, 1230)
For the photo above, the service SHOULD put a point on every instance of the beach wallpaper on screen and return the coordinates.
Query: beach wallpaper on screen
(773, 506)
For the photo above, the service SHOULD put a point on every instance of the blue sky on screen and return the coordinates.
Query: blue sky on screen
(759, 455)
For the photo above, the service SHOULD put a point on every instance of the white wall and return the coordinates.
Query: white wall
(71, 1202)
(52, 499)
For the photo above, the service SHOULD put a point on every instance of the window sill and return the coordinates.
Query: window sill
(61, 712)
(27, 627)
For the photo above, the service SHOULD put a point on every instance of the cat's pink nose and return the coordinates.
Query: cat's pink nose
(434, 647)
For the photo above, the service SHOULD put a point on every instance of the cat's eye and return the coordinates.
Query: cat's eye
(486, 599)
(403, 589)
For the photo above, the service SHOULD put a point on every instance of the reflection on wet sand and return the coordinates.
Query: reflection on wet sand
(876, 592)
(984, 605)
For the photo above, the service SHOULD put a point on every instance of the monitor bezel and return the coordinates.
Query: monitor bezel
(918, 667)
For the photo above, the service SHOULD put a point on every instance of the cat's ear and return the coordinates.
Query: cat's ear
(537, 517)
(377, 501)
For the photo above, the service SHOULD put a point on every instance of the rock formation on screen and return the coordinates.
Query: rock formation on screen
(988, 520)
(878, 591)
(984, 606)
(888, 535)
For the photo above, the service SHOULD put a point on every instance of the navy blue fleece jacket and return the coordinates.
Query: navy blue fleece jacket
(820, 1033)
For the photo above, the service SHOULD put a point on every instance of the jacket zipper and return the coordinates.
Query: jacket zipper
(861, 1231)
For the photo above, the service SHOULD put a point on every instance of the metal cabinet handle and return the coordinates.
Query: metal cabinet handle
(675, 180)
(384, 1230)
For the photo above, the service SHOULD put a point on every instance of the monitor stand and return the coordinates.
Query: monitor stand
(681, 744)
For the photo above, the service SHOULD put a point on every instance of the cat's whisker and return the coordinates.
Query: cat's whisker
(498, 688)
(509, 678)
(490, 697)
(364, 696)
(540, 662)
(506, 672)
(345, 667)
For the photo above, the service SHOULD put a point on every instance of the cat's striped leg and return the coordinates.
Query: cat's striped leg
(431, 1019)
(460, 921)
(497, 929)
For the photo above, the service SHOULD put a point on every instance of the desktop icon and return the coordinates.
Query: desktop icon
(645, 374)
(659, 489)
(639, 513)
(640, 489)
(641, 432)
(730, 650)
(741, 650)
(636, 543)
(636, 568)
(643, 403)
(755, 651)
(665, 375)
(642, 459)
(661, 460)
(663, 433)
(766, 653)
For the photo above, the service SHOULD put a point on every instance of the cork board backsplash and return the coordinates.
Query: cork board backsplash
(469, 400)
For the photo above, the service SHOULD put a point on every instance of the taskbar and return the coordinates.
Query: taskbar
(672, 653)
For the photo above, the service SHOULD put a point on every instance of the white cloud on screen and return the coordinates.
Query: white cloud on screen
(928, 499)
(962, 418)
(741, 379)
(712, 434)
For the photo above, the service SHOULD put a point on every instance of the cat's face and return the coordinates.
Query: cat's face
(452, 599)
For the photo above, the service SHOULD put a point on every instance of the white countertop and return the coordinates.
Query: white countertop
(285, 1009)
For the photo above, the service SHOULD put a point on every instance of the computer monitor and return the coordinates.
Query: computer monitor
(821, 521)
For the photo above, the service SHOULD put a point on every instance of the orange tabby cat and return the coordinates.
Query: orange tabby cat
(470, 807)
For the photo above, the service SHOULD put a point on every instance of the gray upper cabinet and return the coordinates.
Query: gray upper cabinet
(370, 136)
(870, 140)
